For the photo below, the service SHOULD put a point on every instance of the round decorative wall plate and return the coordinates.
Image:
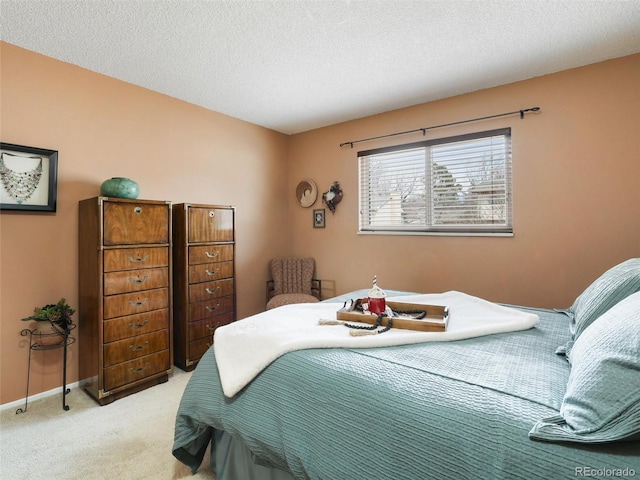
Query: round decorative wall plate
(306, 193)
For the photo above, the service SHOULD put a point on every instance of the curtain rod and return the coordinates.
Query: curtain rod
(424, 129)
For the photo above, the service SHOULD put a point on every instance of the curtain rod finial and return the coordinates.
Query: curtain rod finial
(532, 109)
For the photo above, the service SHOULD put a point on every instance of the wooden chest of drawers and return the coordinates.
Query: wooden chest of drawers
(125, 296)
(204, 283)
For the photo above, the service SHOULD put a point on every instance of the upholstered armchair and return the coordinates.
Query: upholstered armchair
(292, 282)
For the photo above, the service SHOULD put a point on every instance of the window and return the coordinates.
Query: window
(456, 185)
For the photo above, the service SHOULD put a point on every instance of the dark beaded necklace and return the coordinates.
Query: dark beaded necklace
(417, 314)
(374, 326)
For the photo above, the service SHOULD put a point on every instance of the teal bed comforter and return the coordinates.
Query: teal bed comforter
(451, 410)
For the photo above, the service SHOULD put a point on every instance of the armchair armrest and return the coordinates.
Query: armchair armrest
(316, 288)
(270, 289)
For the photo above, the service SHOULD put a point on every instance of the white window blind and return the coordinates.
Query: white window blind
(457, 185)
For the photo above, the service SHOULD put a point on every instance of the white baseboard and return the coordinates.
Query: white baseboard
(37, 396)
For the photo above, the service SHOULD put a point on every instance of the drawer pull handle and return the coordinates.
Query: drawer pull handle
(138, 281)
(138, 325)
(138, 260)
(212, 213)
(211, 274)
(211, 292)
(210, 328)
(138, 303)
(211, 255)
(139, 370)
(137, 210)
(212, 309)
(141, 347)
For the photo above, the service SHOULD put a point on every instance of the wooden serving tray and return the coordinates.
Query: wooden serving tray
(435, 321)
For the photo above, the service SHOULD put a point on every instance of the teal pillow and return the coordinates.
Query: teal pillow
(602, 400)
(614, 285)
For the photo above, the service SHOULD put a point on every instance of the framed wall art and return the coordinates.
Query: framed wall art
(28, 178)
(318, 218)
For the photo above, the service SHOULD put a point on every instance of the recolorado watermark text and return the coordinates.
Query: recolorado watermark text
(604, 472)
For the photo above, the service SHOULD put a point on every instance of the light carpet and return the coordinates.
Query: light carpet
(129, 439)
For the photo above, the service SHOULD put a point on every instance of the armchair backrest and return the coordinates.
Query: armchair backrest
(292, 275)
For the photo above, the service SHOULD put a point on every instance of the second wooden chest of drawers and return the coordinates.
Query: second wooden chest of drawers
(204, 277)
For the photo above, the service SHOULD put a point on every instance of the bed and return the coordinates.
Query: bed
(500, 406)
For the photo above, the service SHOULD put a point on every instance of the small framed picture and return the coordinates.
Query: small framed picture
(28, 178)
(318, 218)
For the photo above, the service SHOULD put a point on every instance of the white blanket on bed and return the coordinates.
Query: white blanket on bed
(244, 348)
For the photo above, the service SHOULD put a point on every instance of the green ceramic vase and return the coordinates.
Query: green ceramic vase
(120, 187)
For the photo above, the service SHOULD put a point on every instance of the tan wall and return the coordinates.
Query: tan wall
(104, 128)
(576, 168)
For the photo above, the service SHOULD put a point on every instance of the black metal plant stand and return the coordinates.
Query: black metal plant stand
(58, 338)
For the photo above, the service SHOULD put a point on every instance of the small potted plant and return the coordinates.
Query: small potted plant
(52, 321)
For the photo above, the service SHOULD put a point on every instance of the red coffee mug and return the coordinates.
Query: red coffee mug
(377, 305)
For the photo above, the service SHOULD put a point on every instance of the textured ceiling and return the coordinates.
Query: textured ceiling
(295, 65)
